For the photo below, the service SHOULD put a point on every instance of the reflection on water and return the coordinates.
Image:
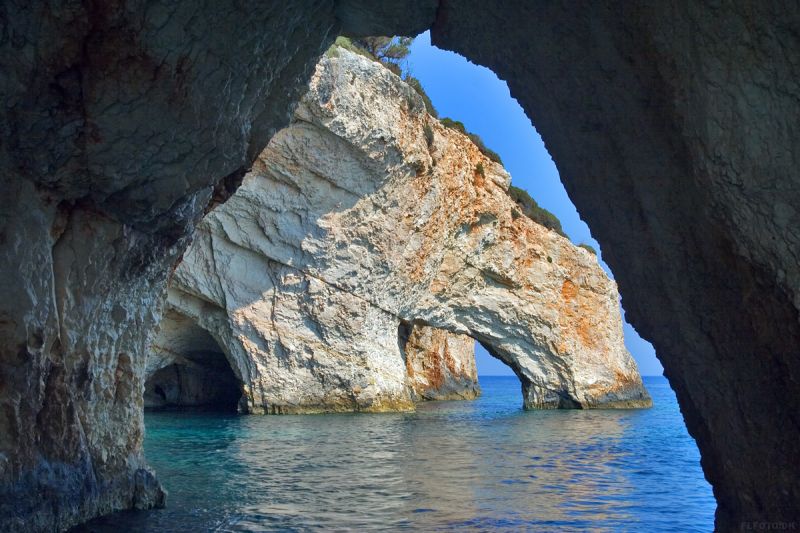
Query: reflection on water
(476, 465)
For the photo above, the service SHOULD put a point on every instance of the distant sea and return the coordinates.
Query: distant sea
(481, 465)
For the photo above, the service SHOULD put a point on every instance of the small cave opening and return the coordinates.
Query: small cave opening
(193, 371)
(498, 372)
(205, 381)
(492, 362)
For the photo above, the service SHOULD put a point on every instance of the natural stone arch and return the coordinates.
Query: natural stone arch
(354, 220)
(656, 114)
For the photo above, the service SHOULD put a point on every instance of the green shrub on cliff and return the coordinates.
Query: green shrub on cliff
(387, 50)
(347, 44)
(474, 137)
(390, 52)
(454, 125)
(415, 84)
(588, 247)
(485, 150)
(533, 211)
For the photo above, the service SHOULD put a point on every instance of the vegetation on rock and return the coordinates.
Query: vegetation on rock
(387, 50)
(533, 211)
(474, 137)
(390, 52)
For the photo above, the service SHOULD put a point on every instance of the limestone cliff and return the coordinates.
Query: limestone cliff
(367, 214)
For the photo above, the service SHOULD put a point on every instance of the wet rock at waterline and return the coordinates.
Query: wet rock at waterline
(366, 215)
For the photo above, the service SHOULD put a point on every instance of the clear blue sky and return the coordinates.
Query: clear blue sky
(474, 95)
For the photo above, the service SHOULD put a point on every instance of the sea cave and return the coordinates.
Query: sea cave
(133, 147)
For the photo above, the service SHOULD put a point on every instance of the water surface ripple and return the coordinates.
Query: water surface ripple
(482, 465)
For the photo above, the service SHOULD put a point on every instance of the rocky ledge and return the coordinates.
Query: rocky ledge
(368, 247)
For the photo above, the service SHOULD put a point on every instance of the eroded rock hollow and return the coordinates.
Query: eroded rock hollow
(366, 214)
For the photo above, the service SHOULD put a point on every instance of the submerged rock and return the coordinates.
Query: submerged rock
(366, 215)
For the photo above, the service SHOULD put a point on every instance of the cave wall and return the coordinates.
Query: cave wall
(674, 129)
(79, 294)
(187, 367)
(118, 121)
(203, 381)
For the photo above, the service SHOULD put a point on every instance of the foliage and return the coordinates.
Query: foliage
(454, 125)
(479, 169)
(533, 211)
(588, 247)
(347, 44)
(390, 52)
(394, 69)
(491, 154)
(428, 134)
(387, 50)
(415, 84)
(474, 137)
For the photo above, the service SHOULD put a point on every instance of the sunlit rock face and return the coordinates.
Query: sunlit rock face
(674, 128)
(200, 359)
(366, 214)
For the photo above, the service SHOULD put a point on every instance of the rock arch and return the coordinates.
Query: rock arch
(353, 221)
(672, 126)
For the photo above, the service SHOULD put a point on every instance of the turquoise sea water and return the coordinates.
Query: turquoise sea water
(480, 465)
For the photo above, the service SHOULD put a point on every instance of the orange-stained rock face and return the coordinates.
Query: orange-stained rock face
(440, 365)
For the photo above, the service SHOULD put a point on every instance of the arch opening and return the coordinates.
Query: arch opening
(534, 395)
(190, 370)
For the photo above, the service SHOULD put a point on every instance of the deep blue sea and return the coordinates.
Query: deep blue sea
(473, 465)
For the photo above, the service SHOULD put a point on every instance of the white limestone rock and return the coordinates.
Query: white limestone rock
(352, 222)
